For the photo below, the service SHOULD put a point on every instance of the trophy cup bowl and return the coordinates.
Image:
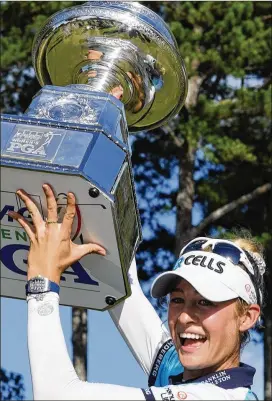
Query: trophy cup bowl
(106, 68)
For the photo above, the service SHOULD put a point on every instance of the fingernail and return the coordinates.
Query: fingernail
(103, 253)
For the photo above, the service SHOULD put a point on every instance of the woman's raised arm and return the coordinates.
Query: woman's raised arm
(139, 324)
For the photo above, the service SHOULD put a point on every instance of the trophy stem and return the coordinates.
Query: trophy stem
(117, 67)
(104, 78)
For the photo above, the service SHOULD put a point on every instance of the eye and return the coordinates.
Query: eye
(176, 300)
(205, 302)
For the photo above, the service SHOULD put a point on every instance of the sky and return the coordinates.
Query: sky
(109, 358)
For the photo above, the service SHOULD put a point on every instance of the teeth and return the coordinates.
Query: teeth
(192, 335)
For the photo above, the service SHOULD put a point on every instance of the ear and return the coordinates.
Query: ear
(250, 317)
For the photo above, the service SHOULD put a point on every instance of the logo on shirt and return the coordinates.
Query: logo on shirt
(156, 366)
(217, 378)
(167, 395)
(182, 395)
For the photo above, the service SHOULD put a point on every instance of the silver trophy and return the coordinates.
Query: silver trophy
(105, 68)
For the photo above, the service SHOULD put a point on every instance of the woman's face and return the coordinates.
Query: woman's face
(206, 334)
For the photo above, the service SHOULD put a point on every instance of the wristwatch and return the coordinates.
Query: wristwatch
(38, 286)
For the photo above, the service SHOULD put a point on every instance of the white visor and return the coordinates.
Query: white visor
(213, 276)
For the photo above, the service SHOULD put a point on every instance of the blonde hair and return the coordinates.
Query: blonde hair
(249, 245)
(245, 240)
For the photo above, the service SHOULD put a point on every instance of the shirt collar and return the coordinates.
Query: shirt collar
(241, 376)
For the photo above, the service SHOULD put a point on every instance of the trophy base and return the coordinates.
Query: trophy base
(106, 210)
(91, 280)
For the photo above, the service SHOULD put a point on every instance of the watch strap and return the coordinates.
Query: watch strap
(54, 287)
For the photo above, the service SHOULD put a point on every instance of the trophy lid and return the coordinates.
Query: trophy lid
(111, 46)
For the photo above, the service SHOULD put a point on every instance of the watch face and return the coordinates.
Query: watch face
(36, 285)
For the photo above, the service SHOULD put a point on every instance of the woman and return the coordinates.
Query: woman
(212, 303)
(145, 334)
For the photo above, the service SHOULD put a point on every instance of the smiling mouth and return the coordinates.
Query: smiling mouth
(191, 342)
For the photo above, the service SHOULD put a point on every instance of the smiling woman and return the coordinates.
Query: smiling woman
(215, 294)
(215, 290)
(247, 281)
(196, 328)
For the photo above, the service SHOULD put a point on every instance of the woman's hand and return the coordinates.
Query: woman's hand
(51, 249)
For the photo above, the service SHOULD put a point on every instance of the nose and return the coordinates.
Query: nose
(187, 316)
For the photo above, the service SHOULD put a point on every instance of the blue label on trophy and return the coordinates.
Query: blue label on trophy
(38, 143)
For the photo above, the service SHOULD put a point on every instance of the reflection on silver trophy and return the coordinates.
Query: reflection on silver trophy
(105, 68)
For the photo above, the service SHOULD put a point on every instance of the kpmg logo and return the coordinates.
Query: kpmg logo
(38, 142)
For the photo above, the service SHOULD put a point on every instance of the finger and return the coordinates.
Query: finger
(29, 229)
(31, 207)
(52, 211)
(69, 215)
(85, 249)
